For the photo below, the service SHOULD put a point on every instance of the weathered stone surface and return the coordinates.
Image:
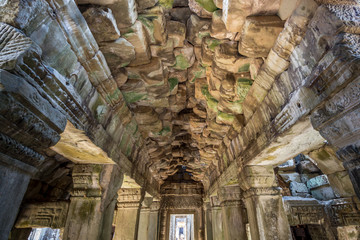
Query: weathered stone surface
(77, 147)
(235, 12)
(102, 24)
(180, 14)
(124, 10)
(185, 57)
(226, 57)
(143, 4)
(153, 21)
(202, 8)
(136, 36)
(176, 32)
(287, 7)
(197, 29)
(259, 34)
(218, 29)
(118, 54)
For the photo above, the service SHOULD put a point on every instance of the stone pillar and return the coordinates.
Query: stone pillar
(144, 218)
(163, 219)
(127, 214)
(208, 220)
(264, 204)
(14, 179)
(351, 157)
(217, 219)
(84, 220)
(232, 213)
(153, 231)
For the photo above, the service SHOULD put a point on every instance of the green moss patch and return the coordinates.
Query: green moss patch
(181, 62)
(172, 83)
(131, 97)
(244, 68)
(166, 3)
(208, 5)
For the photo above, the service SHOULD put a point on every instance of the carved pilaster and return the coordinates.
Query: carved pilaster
(129, 198)
(86, 179)
(85, 204)
(232, 212)
(263, 199)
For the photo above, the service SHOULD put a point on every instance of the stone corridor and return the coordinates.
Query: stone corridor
(171, 119)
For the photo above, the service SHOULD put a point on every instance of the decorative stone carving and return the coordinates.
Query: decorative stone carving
(86, 180)
(129, 198)
(305, 211)
(43, 215)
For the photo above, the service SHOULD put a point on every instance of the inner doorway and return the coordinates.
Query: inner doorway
(181, 227)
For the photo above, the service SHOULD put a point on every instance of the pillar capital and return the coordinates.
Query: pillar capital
(155, 206)
(215, 201)
(257, 176)
(230, 195)
(86, 180)
(129, 198)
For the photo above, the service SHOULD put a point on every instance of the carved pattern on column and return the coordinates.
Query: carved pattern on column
(262, 191)
(129, 198)
(86, 180)
(340, 212)
(230, 196)
(345, 213)
(40, 215)
(12, 148)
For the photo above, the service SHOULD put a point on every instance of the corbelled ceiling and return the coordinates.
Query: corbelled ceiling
(184, 69)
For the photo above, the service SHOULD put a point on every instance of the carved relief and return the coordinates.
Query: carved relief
(43, 215)
(340, 104)
(86, 180)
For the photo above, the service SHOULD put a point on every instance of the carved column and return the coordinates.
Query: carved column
(232, 213)
(144, 218)
(153, 231)
(263, 203)
(217, 218)
(84, 219)
(208, 220)
(163, 215)
(127, 214)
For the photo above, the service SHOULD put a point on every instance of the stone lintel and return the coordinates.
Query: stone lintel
(43, 215)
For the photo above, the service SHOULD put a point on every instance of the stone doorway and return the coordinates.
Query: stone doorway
(181, 227)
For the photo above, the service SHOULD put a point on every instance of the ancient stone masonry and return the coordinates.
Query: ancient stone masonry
(242, 116)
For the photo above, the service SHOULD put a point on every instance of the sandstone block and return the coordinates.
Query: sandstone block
(202, 8)
(197, 29)
(259, 35)
(176, 32)
(124, 10)
(185, 57)
(102, 24)
(227, 57)
(118, 53)
(235, 11)
(180, 14)
(218, 29)
(143, 4)
(287, 7)
(136, 36)
(165, 52)
(154, 23)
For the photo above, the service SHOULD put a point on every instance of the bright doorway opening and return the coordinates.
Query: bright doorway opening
(181, 227)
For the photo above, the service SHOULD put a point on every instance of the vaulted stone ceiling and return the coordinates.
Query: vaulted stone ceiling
(184, 69)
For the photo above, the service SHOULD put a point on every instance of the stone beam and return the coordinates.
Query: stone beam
(77, 147)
